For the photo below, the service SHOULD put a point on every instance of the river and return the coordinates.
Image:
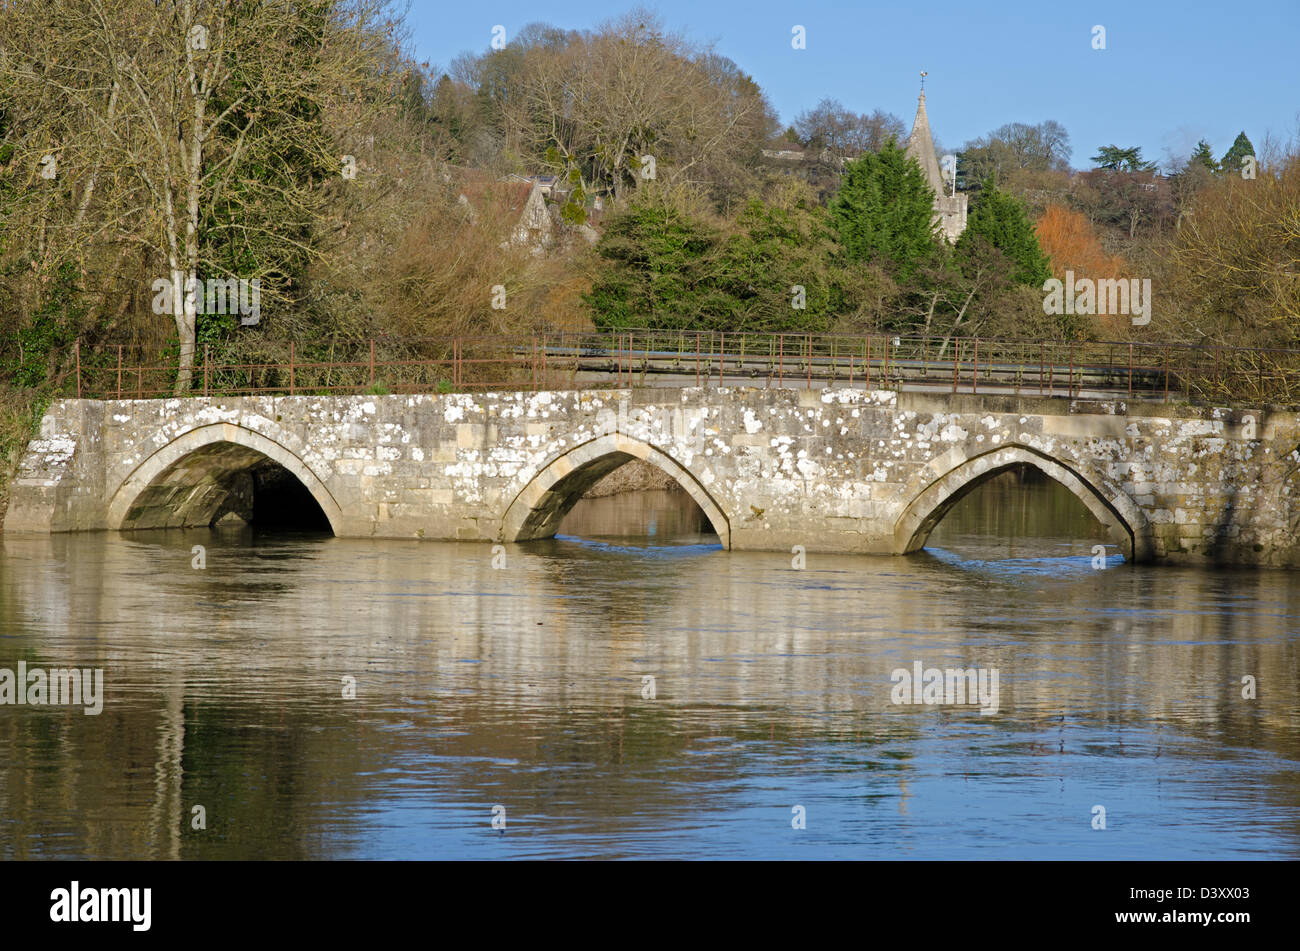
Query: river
(629, 689)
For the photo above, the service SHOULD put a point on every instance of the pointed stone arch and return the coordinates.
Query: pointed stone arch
(230, 446)
(961, 474)
(541, 505)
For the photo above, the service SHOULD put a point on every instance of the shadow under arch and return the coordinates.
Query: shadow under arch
(1123, 519)
(538, 509)
(185, 482)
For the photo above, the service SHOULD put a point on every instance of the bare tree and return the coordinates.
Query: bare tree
(204, 117)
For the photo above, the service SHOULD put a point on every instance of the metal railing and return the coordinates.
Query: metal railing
(703, 358)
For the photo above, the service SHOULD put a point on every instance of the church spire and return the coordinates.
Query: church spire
(920, 145)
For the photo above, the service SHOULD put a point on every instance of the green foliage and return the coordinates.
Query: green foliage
(660, 260)
(1203, 157)
(52, 328)
(1241, 147)
(781, 270)
(1114, 158)
(1000, 219)
(777, 267)
(885, 210)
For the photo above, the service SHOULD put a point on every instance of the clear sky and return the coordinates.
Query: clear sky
(1171, 73)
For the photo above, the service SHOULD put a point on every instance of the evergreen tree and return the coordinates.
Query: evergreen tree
(659, 270)
(1116, 159)
(1241, 147)
(775, 268)
(885, 209)
(1000, 219)
(1202, 156)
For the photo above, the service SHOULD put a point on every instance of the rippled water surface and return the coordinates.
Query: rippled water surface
(525, 686)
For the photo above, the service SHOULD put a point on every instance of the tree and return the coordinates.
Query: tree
(190, 132)
(885, 210)
(829, 125)
(1127, 199)
(776, 267)
(621, 105)
(1190, 178)
(1000, 219)
(1240, 148)
(1236, 260)
(1013, 147)
(1114, 158)
(661, 266)
(1071, 244)
(1202, 157)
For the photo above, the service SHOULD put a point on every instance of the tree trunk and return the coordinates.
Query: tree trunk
(183, 310)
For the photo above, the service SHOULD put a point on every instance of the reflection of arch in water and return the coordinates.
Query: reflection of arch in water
(186, 482)
(1126, 523)
(541, 505)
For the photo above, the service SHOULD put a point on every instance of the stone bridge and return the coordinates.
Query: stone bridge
(834, 470)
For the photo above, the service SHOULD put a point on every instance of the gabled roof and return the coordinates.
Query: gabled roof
(482, 188)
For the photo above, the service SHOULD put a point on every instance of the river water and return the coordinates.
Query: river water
(516, 687)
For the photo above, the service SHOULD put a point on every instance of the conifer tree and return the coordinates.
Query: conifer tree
(885, 209)
(1241, 147)
(1000, 219)
(1202, 155)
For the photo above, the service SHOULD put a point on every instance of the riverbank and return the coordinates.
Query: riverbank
(634, 476)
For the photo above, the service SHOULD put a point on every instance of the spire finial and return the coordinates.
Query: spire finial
(923, 75)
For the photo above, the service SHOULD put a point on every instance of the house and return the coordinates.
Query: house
(519, 200)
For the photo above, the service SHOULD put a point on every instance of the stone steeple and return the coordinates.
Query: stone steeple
(920, 146)
(949, 210)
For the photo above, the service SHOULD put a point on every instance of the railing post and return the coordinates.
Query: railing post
(1071, 369)
(76, 346)
(119, 371)
(1166, 373)
(372, 361)
(868, 361)
(780, 367)
(291, 370)
(1130, 370)
(722, 349)
(975, 369)
(956, 362)
(697, 358)
(205, 369)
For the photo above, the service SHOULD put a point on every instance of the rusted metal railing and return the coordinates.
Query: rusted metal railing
(1100, 369)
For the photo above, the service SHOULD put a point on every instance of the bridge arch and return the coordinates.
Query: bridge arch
(179, 473)
(962, 474)
(538, 509)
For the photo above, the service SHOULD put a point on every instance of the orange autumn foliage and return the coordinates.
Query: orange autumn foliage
(1069, 241)
(1066, 237)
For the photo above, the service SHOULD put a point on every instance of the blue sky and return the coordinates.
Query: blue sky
(1171, 73)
